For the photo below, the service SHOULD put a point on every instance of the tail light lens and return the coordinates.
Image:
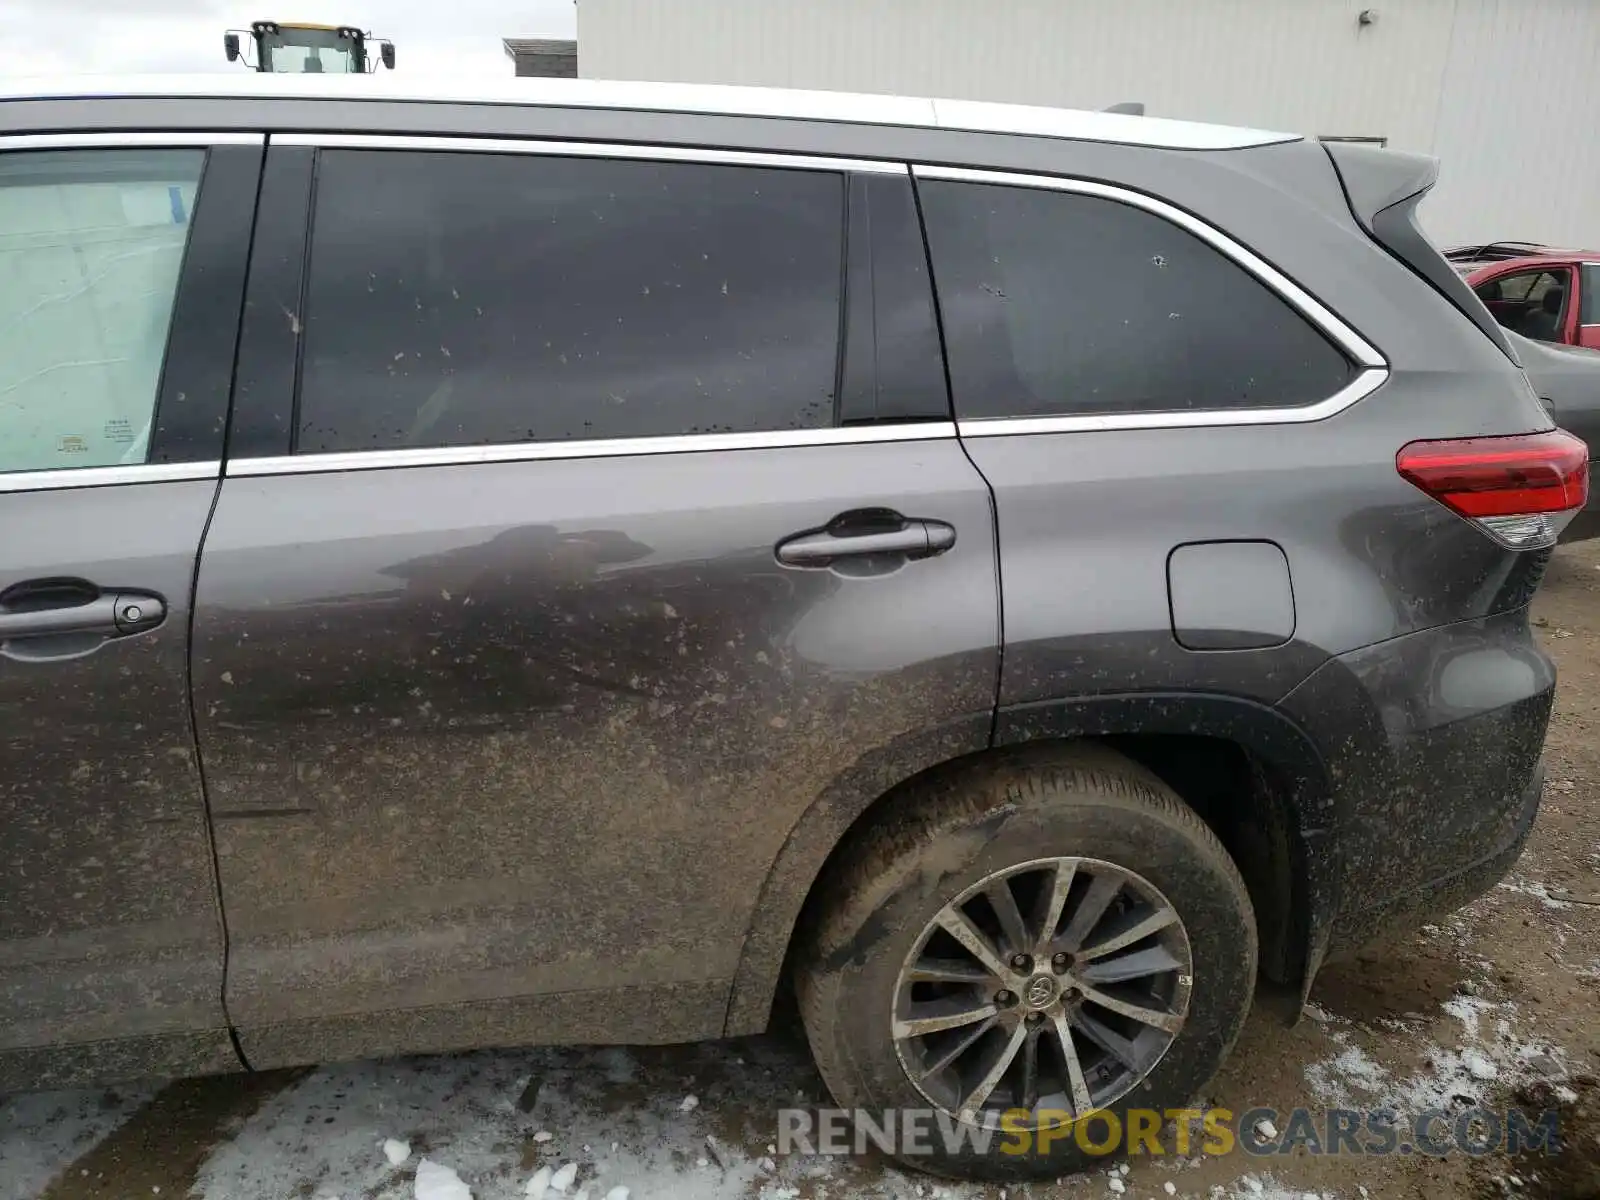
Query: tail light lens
(1522, 490)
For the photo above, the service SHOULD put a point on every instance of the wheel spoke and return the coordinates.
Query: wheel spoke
(1012, 928)
(1153, 1017)
(1096, 900)
(1134, 930)
(957, 926)
(1153, 960)
(1081, 1100)
(1114, 1044)
(1030, 1070)
(976, 1098)
(965, 1043)
(922, 1026)
(947, 970)
(1052, 900)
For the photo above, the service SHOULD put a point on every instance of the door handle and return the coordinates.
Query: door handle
(866, 533)
(47, 611)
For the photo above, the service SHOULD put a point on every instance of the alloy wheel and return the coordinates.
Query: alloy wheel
(1054, 986)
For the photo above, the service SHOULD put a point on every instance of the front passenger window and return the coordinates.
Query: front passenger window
(91, 243)
(1547, 303)
(1509, 287)
(1530, 303)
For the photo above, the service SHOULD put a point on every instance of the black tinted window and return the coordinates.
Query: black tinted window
(1590, 292)
(1056, 303)
(893, 366)
(461, 299)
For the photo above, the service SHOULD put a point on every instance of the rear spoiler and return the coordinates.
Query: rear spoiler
(1384, 188)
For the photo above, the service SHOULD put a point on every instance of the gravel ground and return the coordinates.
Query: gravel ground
(1494, 1005)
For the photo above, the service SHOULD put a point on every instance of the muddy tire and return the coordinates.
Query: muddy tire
(1123, 897)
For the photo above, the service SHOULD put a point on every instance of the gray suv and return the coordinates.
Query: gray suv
(554, 564)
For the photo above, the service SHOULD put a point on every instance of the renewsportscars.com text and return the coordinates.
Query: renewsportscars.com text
(1259, 1132)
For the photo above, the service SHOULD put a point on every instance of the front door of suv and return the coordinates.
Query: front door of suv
(523, 644)
(122, 261)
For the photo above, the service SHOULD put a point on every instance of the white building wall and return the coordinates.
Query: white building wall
(1505, 91)
(1518, 131)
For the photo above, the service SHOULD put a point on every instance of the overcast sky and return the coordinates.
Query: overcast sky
(432, 37)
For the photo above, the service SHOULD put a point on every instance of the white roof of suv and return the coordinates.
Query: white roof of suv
(971, 115)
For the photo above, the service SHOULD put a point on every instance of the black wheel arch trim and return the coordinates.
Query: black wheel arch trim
(814, 836)
(1266, 733)
(1294, 942)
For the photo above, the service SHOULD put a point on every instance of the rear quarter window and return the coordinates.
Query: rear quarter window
(1059, 304)
(1590, 291)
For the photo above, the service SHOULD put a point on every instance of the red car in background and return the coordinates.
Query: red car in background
(1545, 294)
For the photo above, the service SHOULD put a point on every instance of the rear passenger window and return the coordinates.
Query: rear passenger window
(1590, 292)
(460, 299)
(1061, 304)
(91, 243)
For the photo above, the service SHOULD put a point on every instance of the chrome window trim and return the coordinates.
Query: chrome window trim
(698, 99)
(696, 443)
(620, 150)
(1362, 352)
(1372, 367)
(53, 479)
(140, 138)
(1362, 386)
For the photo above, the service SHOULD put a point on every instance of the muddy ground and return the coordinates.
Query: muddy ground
(1498, 1005)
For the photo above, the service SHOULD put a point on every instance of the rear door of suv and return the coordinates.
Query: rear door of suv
(589, 511)
(123, 263)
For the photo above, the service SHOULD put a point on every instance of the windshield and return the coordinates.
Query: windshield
(307, 51)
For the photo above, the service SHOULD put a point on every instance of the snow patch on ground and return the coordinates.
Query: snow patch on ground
(438, 1182)
(614, 1119)
(564, 1178)
(1488, 1051)
(1532, 887)
(42, 1132)
(1265, 1187)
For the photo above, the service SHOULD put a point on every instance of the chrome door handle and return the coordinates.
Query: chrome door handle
(111, 614)
(866, 533)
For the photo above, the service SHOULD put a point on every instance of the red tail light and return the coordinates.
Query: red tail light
(1521, 489)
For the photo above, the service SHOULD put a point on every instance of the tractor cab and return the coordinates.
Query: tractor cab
(287, 48)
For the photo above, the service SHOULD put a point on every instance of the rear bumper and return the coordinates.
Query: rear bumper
(1433, 744)
(1403, 914)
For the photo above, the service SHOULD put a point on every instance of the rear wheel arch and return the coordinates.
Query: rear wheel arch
(1054, 931)
(1187, 740)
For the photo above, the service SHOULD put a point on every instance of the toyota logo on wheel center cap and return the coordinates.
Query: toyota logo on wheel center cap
(1040, 991)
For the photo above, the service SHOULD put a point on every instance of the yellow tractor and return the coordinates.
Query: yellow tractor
(295, 48)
